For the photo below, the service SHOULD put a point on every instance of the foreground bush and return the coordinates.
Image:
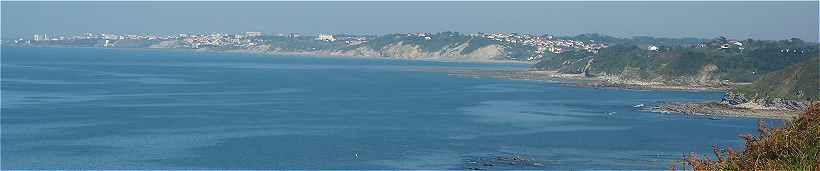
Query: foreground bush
(796, 146)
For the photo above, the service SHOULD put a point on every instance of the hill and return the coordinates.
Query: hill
(443, 45)
(796, 82)
(714, 61)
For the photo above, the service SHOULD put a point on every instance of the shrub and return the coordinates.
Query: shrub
(793, 147)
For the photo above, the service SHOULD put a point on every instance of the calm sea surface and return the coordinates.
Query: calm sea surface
(82, 108)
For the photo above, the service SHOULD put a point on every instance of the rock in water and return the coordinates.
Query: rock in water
(501, 161)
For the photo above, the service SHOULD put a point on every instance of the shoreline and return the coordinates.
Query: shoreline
(709, 109)
(702, 108)
(300, 54)
(326, 54)
(575, 80)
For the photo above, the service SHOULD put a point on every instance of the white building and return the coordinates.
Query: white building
(738, 43)
(326, 37)
(653, 48)
(253, 34)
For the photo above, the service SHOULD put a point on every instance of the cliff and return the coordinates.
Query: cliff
(707, 63)
(439, 46)
(791, 88)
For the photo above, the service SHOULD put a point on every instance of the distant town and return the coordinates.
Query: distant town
(539, 44)
(498, 46)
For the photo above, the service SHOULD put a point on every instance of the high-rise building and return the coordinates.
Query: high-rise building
(36, 37)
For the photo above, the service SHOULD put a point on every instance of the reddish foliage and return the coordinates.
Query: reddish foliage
(796, 146)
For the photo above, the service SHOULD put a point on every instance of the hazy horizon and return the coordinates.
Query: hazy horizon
(738, 20)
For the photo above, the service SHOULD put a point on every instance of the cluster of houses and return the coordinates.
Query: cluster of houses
(545, 43)
(425, 36)
(95, 36)
(718, 44)
(109, 36)
(723, 44)
(354, 40)
(346, 38)
(223, 40)
(247, 39)
(732, 44)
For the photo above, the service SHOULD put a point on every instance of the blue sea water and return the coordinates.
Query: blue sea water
(86, 108)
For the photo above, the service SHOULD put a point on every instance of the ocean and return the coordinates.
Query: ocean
(93, 108)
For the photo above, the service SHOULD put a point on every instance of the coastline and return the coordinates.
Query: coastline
(708, 109)
(704, 108)
(576, 80)
(340, 55)
(300, 54)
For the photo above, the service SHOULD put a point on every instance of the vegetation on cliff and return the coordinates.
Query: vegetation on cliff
(658, 41)
(743, 61)
(796, 82)
(455, 43)
(436, 42)
(287, 44)
(450, 44)
(796, 146)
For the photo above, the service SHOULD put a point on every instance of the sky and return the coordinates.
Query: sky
(735, 19)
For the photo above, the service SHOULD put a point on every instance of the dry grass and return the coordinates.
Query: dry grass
(796, 146)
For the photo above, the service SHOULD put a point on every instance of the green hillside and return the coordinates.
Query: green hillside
(714, 60)
(797, 82)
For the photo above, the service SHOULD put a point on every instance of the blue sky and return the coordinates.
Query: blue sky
(740, 20)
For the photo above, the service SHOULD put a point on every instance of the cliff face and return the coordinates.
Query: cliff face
(402, 50)
(438, 46)
(456, 52)
(166, 44)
